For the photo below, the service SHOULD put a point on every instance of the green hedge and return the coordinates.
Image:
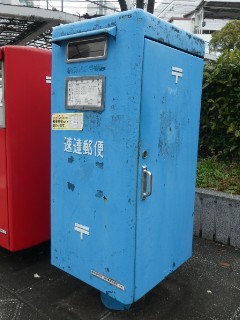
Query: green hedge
(220, 115)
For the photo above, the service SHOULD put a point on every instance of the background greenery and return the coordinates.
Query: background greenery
(220, 115)
(219, 143)
(228, 38)
(219, 175)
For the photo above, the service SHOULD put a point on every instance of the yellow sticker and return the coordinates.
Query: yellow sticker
(67, 121)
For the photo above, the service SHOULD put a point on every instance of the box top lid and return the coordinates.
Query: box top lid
(135, 24)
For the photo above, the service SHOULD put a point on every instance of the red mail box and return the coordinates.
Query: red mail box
(24, 146)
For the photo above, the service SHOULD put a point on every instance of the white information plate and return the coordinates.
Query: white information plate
(85, 93)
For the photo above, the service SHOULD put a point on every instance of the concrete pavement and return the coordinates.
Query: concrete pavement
(206, 287)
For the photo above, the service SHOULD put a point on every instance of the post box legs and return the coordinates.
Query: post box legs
(113, 304)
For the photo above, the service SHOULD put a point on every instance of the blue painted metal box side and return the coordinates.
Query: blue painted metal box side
(102, 193)
(99, 193)
(170, 109)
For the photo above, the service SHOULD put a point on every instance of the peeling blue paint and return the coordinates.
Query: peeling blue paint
(70, 159)
(70, 186)
(100, 165)
(99, 194)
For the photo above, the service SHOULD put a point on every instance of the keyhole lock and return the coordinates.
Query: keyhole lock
(144, 154)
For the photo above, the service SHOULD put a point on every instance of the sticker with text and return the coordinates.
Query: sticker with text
(67, 121)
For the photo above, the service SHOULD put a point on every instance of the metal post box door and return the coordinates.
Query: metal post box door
(24, 147)
(170, 111)
(3, 167)
(94, 175)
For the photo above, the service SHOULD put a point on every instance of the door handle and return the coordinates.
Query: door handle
(146, 182)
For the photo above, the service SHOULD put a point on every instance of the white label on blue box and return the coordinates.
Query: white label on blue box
(177, 72)
(83, 230)
(86, 147)
(109, 280)
(85, 93)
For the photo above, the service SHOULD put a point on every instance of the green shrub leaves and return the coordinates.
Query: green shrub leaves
(228, 38)
(220, 116)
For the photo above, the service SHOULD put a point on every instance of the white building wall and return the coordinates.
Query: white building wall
(186, 25)
(12, 2)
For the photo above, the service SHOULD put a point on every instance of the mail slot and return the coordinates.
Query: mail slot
(88, 48)
(125, 120)
(24, 146)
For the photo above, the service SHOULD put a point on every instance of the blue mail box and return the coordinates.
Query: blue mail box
(126, 95)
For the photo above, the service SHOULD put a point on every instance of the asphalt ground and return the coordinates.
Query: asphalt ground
(205, 287)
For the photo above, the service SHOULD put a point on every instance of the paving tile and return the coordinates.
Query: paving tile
(207, 287)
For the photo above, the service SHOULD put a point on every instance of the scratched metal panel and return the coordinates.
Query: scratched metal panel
(169, 133)
(95, 173)
(98, 192)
